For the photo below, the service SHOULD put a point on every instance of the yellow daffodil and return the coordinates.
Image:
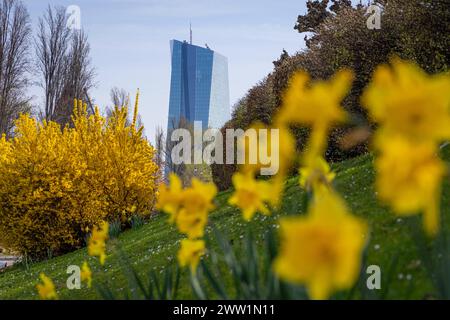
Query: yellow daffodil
(196, 203)
(316, 174)
(192, 223)
(405, 100)
(318, 105)
(409, 177)
(86, 274)
(250, 195)
(46, 289)
(97, 242)
(412, 109)
(169, 198)
(190, 253)
(323, 249)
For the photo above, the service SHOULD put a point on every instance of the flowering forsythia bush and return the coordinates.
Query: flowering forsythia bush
(57, 184)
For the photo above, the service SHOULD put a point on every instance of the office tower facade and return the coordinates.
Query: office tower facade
(199, 89)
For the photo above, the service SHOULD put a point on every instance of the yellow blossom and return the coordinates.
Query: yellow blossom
(46, 289)
(250, 195)
(135, 112)
(407, 101)
(323, 249)
(196, 203)
(317, 105)
(58, 180)
(97, 242)
(409, 177)
(274, 154)
(86, 274)
(316, 174)
(190, 253)
(192, 223)
(169, 198)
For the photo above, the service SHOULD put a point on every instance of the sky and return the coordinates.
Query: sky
(130, 43)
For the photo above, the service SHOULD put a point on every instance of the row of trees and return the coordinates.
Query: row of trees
(56, 58)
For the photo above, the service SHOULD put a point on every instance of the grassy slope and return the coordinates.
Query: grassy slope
(155, 244)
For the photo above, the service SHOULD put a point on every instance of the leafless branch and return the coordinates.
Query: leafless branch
(15, 34)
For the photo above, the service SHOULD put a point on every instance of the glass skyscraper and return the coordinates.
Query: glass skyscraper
(199, 89)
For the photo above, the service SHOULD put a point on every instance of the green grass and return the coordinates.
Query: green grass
(154, 246)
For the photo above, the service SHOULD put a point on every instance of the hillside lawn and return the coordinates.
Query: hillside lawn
(154, 245)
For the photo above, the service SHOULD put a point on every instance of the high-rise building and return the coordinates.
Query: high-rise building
(199, 89)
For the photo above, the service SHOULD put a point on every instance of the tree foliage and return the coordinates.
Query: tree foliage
(337, 37)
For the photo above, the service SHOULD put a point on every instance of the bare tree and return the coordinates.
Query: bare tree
(79, 75)
(52, 44)
(14, 62)
(63, 64)
(119, 97)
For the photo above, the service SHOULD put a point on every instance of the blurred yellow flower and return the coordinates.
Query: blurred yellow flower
(413, 111)
(196, 203)
(316, 105)
(250, 195)
(192, 223)
(190, 253)
(316, 174)
(46, 289)
(97, 242)
(409, 177)
(407, 101)
(323, 249)
(169, 198)
(86, 274)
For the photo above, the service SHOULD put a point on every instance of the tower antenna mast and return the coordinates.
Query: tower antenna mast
(190, 31)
